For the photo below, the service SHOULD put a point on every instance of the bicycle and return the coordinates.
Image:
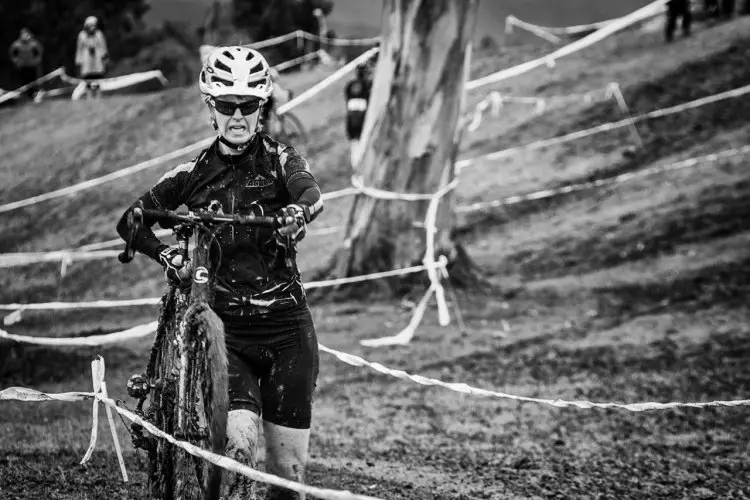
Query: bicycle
(186, 376)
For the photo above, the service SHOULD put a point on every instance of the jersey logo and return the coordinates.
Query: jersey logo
(258, 182)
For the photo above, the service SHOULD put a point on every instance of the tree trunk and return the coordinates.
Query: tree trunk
(410, 138)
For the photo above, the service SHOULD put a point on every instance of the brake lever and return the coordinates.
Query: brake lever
(135, 222)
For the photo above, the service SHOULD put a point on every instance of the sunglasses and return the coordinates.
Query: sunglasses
(227, 108)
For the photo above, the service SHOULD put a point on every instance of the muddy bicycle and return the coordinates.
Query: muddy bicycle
(186, 379)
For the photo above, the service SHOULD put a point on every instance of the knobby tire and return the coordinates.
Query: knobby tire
(175, 474)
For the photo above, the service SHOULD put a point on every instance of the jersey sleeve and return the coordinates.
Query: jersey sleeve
(300, 182)
(167, 194)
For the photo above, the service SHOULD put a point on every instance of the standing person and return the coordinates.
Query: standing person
(678, 9)
(91, 55)
(270, 336)
(357, 93)
(26, 55)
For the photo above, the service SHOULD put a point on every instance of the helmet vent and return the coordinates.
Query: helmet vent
(220, 65)
(221, 80)
(227, 54)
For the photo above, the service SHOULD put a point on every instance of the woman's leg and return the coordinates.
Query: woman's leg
(286, 456)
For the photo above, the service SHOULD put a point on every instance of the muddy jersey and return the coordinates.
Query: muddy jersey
(357, 93)
(253, 276)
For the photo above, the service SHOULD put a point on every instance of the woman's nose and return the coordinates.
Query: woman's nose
(237, 113)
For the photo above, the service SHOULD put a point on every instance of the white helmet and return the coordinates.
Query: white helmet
(91, 21)
(238, 71)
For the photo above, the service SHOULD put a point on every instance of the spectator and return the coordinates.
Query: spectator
(357, 93)
(26, 55)
(91, 55)
(678, 9)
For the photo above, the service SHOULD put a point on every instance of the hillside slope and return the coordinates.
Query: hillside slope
(628, 293)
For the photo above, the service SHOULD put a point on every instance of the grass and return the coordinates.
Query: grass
(631, 293)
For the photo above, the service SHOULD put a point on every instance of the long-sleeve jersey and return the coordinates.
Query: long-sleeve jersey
(357, 93)
(26, 53)
(253, 276)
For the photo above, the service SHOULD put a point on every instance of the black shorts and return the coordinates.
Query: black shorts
(273, 366)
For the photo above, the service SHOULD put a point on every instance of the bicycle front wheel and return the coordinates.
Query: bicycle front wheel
(205, 404)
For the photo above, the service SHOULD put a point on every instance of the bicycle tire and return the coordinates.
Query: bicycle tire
(292, 132)
(174, 473)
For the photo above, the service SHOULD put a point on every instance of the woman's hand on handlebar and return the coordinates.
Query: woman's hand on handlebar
(176, 271)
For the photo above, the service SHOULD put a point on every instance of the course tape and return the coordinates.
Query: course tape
(95, 251)
(605, 127)
(618, 179)
(90, 341)
(546, 31)
(616, 25)
(12, 94)
(558, 403)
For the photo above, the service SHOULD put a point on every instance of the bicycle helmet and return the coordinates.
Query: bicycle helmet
(236, 70)
(90, 21)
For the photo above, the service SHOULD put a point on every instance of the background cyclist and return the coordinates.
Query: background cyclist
(271, 341)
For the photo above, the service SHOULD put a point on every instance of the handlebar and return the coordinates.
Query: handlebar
(137, 214)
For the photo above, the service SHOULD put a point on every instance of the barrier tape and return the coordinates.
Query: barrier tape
(494, 101)
(30, 395)
(549, 193)
(12, 94)
(90, 341)
(463, 388)
(93, 250)
(547, 31)
(605, 127)
(539, 31)
(341, 41)
(639, 15)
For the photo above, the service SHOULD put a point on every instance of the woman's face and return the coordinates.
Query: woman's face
(236, 117)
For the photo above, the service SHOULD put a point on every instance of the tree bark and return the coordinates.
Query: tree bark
(411, 135)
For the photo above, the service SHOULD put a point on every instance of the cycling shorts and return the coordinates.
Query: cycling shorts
(273, 366)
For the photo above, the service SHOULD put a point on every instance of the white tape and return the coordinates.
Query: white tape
(12, 94)
(405, 335)
(97, 377)
(341, 41)
(616, 25)
(93, 340)
(532, 28)
(276, 40)
(32, 396)
(558, 403)
(549, 193)
(729, 94)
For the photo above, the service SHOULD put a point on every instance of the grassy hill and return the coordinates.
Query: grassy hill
(630, 293)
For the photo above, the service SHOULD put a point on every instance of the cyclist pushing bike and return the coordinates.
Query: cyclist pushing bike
(257, 290)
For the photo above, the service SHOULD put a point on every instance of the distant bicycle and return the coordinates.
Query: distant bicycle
(186, 377)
